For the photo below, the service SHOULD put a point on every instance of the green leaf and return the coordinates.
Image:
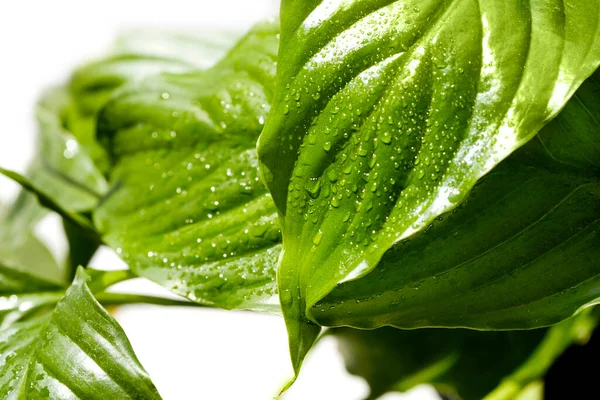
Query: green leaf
(70, 163)
(25, 290)
(77, 351)
(186, 207)
(387, 113)
(48, 202)
(14, 281)
(63, 167)
(197, 48)
(20, 249)
(520, 253)
(138, 55)
(504, 363)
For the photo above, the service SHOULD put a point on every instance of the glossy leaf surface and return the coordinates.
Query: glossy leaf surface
(387, 113)
(187, 208)
(77, 351)
(470, 364)
(520, 252)
(63, 167)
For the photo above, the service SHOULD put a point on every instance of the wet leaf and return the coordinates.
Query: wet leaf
(186, 207)
(76, 351)
(387, 113)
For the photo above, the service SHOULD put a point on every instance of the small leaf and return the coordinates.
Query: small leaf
(47, 201)
(387, 113)
(77, 351)
(186, 207)
(63, 167)
(23, 292)
(21, 251)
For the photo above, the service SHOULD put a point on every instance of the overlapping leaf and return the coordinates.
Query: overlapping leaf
(387, 113)
(77, 351)
(470, 364)
(187, 208)
(70, 162)
(63, 167)
(521, 252)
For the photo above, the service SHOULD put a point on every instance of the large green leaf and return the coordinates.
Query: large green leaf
(470, 364)
(77, 351)
(521, 252)
(387, 113)
(187, 208)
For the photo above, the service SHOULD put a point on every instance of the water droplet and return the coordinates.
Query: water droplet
(332, 176)
(386, 137)
(314, 188)
(318, 237)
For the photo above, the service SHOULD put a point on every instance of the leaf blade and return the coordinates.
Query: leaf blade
(193, 137)
(100, 359)
(382, 132)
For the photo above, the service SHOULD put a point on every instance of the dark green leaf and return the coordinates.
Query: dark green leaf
(472, 364)
(81, 248)
(387, 113)
(186, 207)
(77, 351)
(521, 252)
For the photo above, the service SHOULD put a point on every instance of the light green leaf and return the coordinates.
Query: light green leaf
(387, 113)
(138, 55)
(470, 364)
(70, 162)
(200, 48)
(14, 281)
(63, 167)
(521, 252)
(25, 290)
(46, 200)
(20, 249)
(187, 208)
(77, 351)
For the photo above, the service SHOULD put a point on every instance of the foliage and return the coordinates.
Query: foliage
(425, 164)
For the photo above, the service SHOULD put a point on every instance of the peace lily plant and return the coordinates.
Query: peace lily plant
(357, 163)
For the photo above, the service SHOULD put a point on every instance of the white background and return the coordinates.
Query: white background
(189, 353)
